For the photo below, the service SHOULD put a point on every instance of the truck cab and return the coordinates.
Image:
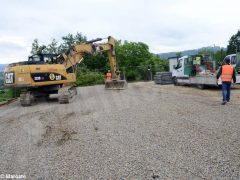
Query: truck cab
(233, 59)
(180, 68)
(235, 62)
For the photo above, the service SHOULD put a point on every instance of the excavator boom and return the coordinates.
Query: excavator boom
(77, 52)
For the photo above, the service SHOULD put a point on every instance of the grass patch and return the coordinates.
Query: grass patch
(7, 94)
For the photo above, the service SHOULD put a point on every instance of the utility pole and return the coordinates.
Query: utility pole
(150, 71)
(238, 50)
(238, 44)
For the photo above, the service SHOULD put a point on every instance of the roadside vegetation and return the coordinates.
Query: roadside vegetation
(88, 78)
(6, 94)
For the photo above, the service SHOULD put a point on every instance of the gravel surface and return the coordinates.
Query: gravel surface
(145, 132)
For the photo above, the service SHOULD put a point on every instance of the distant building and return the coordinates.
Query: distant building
(172, 62)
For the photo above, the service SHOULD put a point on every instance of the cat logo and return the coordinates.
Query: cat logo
(52, 76)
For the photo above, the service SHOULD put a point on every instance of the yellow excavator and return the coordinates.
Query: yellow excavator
(45, 74)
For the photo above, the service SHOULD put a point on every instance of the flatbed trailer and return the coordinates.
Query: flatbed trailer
(210, 80)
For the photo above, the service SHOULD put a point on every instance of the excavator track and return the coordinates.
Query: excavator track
(66, 94)
(27, 99)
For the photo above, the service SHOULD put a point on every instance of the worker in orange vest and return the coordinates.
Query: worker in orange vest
(227, 74)
(109, 75)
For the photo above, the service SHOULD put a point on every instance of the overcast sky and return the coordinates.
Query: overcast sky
(165, 25)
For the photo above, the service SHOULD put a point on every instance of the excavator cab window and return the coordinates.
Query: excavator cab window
(35, 58)
(43, 59)
(233, 60)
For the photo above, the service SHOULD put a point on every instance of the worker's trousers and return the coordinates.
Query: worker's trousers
(226, 87)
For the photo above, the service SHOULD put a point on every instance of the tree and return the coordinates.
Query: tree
(70, 39)
(205, 52)
(36, 48)
(98, 61)
(178, 54)
(134, 59)
(233, 42)
(132, 53)
(67, 42)
(220, 55)
(79, 38)
(53, 47)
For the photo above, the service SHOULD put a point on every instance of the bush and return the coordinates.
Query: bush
(87, 78)
(133, 75)
(6, 94)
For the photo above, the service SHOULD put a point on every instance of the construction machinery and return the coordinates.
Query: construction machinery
(45, 74)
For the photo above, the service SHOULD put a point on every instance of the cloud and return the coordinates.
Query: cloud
(12, 53)
(172, 25)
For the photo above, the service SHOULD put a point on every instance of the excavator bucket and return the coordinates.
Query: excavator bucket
(115, 84)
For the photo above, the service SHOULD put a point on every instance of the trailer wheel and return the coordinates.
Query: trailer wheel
(200, 86)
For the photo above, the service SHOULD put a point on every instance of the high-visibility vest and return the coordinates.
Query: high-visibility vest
(227, 73)
(109, 76)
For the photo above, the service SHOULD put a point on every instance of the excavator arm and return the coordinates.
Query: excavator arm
(75, 55)
(109, 47)
(77, 52)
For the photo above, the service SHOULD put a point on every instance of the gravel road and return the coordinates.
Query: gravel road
(145, 132)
